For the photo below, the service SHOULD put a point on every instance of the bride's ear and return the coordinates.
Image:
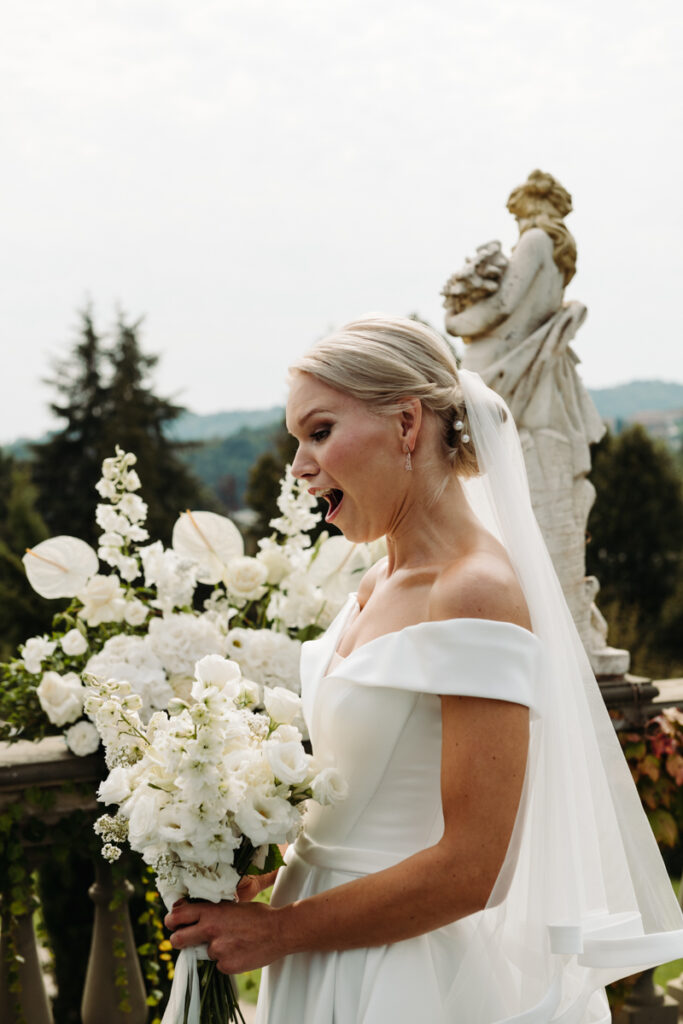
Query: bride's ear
(410, 419)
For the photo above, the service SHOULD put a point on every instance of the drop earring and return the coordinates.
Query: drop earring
(408, 464)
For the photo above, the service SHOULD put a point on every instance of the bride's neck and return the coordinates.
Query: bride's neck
(431, 533)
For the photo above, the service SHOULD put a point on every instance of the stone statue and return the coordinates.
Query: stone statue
(517, 331)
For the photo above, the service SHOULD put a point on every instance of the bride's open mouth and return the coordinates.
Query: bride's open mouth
(334, 497)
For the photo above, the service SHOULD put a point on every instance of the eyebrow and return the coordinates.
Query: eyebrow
(312, 412)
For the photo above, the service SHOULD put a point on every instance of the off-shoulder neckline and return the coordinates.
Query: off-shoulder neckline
(417, 625)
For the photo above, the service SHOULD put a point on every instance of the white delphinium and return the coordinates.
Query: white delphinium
(269, 658)
(297, 507)
(35, 651)
(132, 659)
(173, 576)
(121, 521)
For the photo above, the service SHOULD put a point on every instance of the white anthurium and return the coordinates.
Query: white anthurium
(210, 540)
(60, 566)
(338, 567)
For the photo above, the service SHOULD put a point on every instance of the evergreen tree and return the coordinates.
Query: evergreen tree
(22, 612)
(105, 398)
(636, 525)
(136, 422)
(67, 466)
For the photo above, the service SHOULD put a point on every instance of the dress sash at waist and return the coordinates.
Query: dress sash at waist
(349, 859)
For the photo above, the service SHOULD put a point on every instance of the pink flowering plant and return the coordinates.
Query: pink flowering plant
(655, 757)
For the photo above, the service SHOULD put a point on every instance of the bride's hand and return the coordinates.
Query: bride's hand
(239, 936)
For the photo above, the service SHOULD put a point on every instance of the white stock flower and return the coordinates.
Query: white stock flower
(269, 658)
(297, 507)
(289, 761)
(61, 697)
(74, 643)
(35, 651)
(103, 600)
(244, 578)
(82, 738)
(209, 540)
(329, 787)
(60, 566)
(282, 705)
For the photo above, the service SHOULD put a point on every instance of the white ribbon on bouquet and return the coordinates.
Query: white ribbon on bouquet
(185, 980)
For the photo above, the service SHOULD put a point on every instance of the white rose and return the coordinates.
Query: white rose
(116, 787)
(282, 705)
(329, 787)
(143, 820)
(35, 651)
(244, 578)
(289, 761)
(74, 643)
(103, 600)
(61, 697)
(136, 612)
(82, 739)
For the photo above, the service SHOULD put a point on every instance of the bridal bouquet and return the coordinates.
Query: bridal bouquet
(205, 792)
(134, 612)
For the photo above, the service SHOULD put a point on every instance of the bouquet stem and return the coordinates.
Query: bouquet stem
(218, 1003)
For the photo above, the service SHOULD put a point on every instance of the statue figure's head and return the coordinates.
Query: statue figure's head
(541, 202)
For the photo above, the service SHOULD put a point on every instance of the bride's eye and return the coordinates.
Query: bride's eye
(321, 434)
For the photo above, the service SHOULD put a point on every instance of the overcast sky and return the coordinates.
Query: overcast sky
(250, 173)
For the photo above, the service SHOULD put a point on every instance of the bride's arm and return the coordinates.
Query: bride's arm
(484, 748)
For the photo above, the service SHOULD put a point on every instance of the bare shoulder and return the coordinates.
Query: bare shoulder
(481, 585)
(371, 578)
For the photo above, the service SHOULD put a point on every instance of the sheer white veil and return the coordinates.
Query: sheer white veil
(583, 897)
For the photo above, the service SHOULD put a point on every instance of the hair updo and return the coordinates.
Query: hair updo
(382, 361)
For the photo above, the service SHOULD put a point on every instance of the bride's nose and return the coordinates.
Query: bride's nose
(304, 467)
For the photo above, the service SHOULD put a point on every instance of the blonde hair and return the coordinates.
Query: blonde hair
(383, 361)
(544, 203)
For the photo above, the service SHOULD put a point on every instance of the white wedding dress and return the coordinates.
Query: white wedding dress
(376, 716)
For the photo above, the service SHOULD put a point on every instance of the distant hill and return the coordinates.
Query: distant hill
(626, 400)
(224, 463)
(191, 426)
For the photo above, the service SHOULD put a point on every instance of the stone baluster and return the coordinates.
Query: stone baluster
(112, 954)
(648, 1004)
(31, 1002)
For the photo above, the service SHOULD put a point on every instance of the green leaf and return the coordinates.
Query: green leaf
(664, 827)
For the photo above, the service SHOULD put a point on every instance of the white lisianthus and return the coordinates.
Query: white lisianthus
(103, 600)
(215, 676)
(116, 787)
(35, 651)
(267, 819)
(282, 705)
(61, 697)
(244, 578)
(289, 761)
(82, 738)
(74, 643)
(216, 884)
(60, 566)
(329, 786)
(136, 612)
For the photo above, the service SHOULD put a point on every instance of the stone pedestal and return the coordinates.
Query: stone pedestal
(648, 1004)
(31, 1001)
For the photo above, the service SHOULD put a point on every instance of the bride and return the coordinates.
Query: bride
(491, 861)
